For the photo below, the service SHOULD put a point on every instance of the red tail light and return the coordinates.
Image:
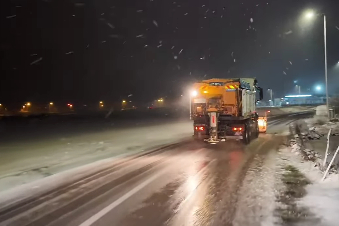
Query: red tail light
(237, 128)
(199, 128)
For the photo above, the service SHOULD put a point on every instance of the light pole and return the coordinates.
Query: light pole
(28, 105)
(310, 15)
(297, 88)
(49, 106)
(271, 95)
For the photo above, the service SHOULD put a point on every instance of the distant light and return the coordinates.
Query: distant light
(28, 104)
(124, 101)
(100, 102)
(194, 93)
(0, 104)
(51, 103)
(318, 88)
(295, 81)
(23, 106)
(205, 91)
(305, 95)
(71, 105)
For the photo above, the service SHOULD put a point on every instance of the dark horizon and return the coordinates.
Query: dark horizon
(90, 51)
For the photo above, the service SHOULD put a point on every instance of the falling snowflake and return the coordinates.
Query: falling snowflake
(110, 25)
(9, 17)
(114, 36)
(186, 14)
(251, 20)
(139, 11)
(140, 36)
(172, 47)
(70, 52)
(175, 57)
(155, 23)
(290, 62)
(159, 46)
(36, 61)
(288, 32)
(284, 72)
(181, 51)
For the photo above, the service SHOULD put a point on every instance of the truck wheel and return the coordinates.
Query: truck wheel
(257, 132)
(246, 136)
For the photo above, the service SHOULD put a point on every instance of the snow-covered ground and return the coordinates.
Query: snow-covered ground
(24, 162)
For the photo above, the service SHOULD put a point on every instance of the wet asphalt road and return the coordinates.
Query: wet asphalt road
(187, 184)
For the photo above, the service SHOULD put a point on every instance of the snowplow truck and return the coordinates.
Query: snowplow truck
(224, 109)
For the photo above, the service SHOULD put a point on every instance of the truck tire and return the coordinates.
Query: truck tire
(257, 131)
(246, 136)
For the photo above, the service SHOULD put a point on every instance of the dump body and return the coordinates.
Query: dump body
(224, 108)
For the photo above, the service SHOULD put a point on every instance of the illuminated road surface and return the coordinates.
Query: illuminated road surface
(187, 184)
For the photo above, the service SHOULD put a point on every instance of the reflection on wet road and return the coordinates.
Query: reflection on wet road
(193, 184)
(190, 184)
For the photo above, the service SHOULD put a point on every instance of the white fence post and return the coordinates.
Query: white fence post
(329, 166)
(328, 144)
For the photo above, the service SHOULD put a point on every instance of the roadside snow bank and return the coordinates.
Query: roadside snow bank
(322, 198)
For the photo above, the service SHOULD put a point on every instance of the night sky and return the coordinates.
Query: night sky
(104, 50)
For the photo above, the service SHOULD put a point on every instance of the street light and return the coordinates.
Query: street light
(309, 15)
(318, 88)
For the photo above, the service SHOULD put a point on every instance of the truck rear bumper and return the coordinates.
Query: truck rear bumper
(224, 138)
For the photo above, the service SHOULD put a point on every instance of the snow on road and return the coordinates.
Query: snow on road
(22, 163)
